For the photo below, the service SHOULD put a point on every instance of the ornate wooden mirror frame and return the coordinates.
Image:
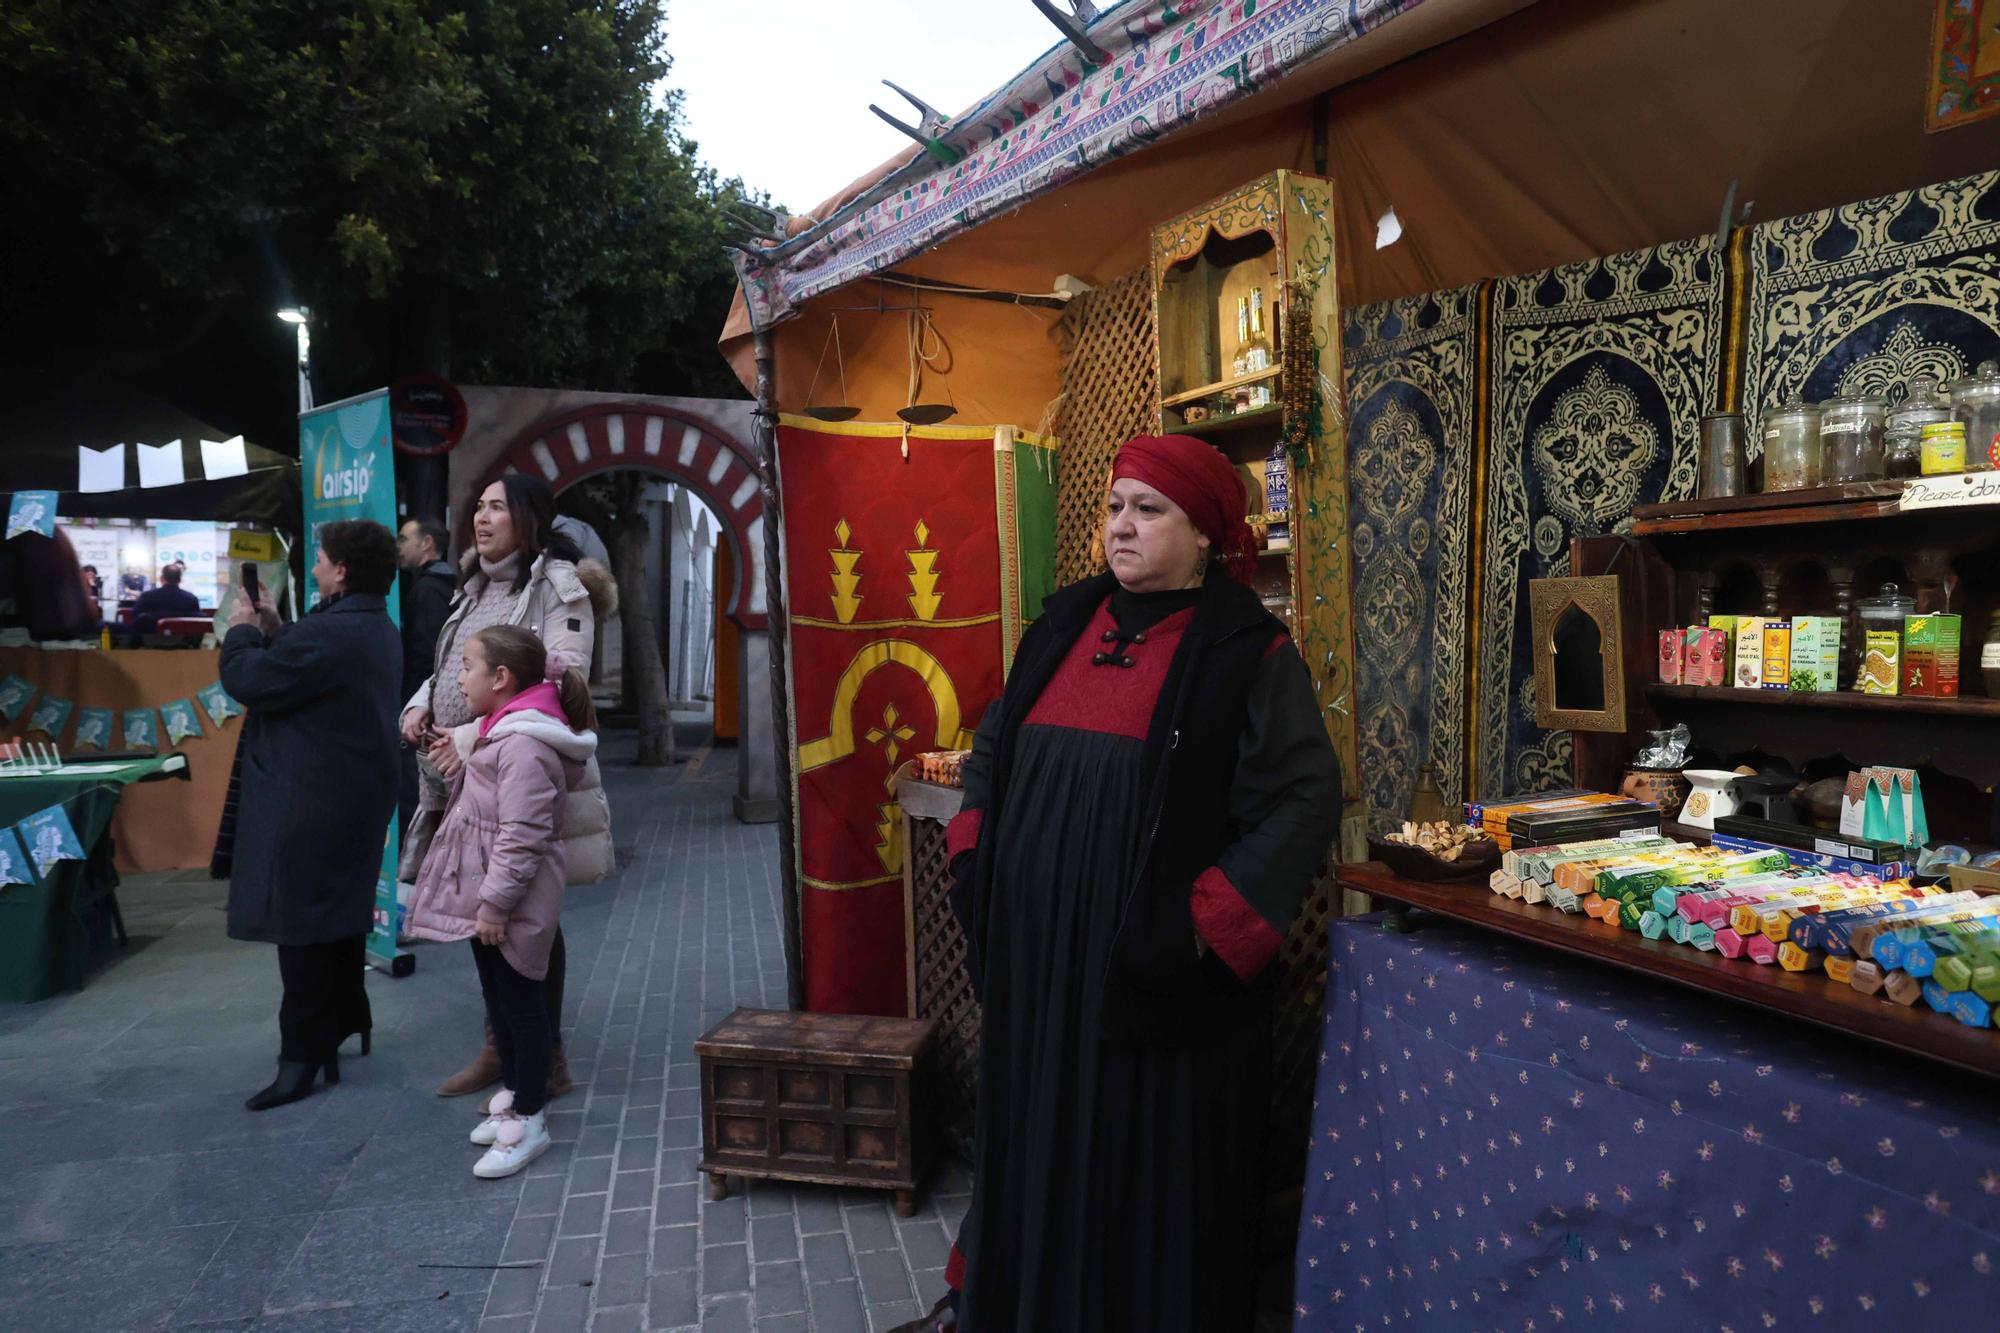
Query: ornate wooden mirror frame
(1596, 598)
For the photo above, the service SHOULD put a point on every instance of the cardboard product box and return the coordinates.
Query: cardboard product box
(1930, 656)
(1815, 654)
(1671, 657)
(1777, 654)
(1726, 626)
(1708, 660)
(1881, 663)
(1749, 653)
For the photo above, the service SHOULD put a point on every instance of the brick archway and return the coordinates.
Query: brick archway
(565, 449)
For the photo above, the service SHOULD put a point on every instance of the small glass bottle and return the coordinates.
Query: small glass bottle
(1850, 433)
(1791, 447)
(1902, 435)
(1240, 366)
(1257, 352)
(1975, 400)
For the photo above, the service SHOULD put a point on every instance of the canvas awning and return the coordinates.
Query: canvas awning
(1507, 138)
(40, 438)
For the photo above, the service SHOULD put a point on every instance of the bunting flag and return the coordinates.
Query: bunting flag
(31, 511)
(904, 585)
(180, 720)
(216, 702)
(51, 715)
(50, 838)
(141, 731)
(93, 729)
(15, 695)
(13, 861)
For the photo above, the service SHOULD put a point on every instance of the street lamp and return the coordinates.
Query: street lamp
(301, 318)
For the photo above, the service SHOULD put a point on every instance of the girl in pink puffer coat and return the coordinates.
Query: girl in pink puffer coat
(495, 871)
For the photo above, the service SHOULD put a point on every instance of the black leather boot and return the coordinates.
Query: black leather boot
(294, 1081)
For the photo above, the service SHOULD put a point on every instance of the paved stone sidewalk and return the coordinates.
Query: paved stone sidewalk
(135, 1191)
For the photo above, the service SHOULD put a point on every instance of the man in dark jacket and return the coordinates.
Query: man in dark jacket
(429, 584)
(313, 808)
(164, 602)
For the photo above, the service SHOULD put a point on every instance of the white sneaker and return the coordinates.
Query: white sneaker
(487, 1130)
(518, 1141)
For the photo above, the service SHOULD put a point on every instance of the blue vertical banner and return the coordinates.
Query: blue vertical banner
(350, 473)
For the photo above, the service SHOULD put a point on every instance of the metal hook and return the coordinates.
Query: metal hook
(930, 129)
(1072, 26)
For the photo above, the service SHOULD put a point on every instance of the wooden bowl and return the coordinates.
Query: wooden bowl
(1479, 860)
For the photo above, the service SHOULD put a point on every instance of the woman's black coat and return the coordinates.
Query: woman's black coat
(317, 771)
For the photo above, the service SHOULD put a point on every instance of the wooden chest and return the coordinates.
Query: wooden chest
(830, 1099)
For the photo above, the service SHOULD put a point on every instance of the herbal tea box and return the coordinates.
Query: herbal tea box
(1815, 654)
(1777, 654)
(1707, 658)
(1881, 662)
(1749, 652)
(1726, 626)
(1930, 656)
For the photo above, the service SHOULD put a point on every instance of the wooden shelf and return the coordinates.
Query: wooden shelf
(1843, 701)
(1221, 386)
(1811, 996)
(1258, 425)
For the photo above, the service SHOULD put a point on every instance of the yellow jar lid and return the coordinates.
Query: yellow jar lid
(1944, 428)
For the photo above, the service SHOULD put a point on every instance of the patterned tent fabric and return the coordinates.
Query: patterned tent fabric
(1411, 395)
(1599, 375)
(1173, 62)
(1871, 294)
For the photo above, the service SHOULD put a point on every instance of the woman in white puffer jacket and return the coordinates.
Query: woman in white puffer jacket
(515, 569)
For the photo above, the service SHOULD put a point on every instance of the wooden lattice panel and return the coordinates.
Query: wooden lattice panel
(943, 990)
(1110, 393)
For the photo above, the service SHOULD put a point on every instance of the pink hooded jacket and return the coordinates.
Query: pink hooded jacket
(498, 855)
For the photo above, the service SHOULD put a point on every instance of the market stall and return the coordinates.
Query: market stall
(1521, 308)
(133, 482)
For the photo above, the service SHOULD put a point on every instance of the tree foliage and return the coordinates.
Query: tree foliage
(494, 188)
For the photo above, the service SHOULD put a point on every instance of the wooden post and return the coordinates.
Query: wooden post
(781, 704)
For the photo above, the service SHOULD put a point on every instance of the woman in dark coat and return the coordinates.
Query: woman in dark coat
(1144, 811)
(317, 789)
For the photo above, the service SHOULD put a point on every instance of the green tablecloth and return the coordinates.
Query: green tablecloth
(44, 943)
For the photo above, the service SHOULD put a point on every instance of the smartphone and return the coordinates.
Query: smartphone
(250, 583)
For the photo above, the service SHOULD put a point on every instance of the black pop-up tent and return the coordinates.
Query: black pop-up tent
(40, 435)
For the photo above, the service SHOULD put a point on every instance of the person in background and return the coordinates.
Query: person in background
(164, 602)
(130, 584)
(93, 586)
(312, 810)
(39, 577)
(516, 568)
(495, 872)
(429, 582)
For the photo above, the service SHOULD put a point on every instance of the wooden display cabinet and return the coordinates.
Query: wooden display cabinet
(1808, 553)
(1225, 278)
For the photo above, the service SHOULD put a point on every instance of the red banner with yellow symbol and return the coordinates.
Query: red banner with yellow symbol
(902, 577)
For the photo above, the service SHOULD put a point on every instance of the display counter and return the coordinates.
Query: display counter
(1508, 1136)
(160, 825)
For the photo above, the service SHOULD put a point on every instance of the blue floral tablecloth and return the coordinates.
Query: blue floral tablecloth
(1504, 1138)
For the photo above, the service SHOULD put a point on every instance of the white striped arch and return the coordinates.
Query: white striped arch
(563, 450)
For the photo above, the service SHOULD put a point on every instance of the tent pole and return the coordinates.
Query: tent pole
(781, 716)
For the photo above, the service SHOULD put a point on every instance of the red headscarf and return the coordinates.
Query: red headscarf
(1194, 475)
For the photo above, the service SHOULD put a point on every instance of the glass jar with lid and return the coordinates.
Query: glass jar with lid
(1975, 400)
(1791, 447)
(1850, 434)
(1884, 612)
(1902, 435)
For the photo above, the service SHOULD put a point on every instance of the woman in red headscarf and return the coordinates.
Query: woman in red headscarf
(1145, 808)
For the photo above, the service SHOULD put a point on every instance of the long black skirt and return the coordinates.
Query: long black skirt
(1114, 1187)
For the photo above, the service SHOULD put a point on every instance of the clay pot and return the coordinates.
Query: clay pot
(1664, 787)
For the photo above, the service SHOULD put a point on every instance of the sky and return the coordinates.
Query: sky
(777, 91)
